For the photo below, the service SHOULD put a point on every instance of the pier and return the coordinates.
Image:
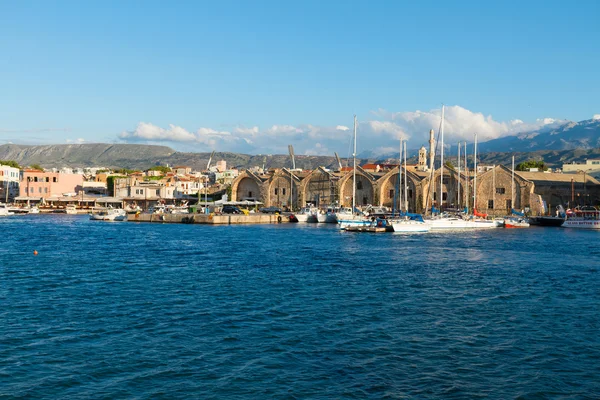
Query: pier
(210, 219)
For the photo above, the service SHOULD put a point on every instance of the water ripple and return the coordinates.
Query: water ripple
(295, 311)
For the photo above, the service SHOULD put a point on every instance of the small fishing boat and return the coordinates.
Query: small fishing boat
(516, 223)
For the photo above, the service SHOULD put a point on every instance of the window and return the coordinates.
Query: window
(500, 190)
(491, 204)
(45, 190)
(359, 185)
(508, 204)
(444, 196)
(26, 190)
(249, 194)
(276, 191)
(54, 179)
(391, 193)
(158, 192)
(445, 180)
(47, 179)
(40, 190)
(35, 179)
(434, 196)
(283, 191)
(410, 193)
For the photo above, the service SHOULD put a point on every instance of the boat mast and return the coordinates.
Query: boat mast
(467, 179)
(405, 182)
(475, 176)
(442, 160)
(512, 184)
(458, 178)
(400, 179)
(494, 191)
(354, 168)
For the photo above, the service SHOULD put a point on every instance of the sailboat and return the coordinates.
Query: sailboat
(446, 221)
(407, 223)
(518, 219)
(347, 217)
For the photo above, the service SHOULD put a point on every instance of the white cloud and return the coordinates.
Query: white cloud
(381, 132)
(150, 132)
(596, 117)
(77, 141)
(246, 131)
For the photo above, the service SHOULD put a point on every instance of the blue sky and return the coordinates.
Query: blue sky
(254, 77)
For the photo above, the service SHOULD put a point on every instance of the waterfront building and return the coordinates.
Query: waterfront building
(9, 183)
(497, 191)
(591, 167)
(42, 186)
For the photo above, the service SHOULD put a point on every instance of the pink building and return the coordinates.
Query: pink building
(47, 184)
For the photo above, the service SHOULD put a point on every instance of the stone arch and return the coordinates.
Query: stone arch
(278, 190)
(388, 189)
(365, 188)
(319, 188)
(494, 191)
(451, 183)
(246, 186)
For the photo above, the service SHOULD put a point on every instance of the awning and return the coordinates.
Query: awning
(27, 198)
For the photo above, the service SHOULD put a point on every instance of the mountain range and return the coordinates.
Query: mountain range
(573, 141)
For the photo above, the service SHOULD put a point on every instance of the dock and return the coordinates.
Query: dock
(210, 219)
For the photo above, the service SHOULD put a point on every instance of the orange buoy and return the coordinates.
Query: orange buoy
(35, 253)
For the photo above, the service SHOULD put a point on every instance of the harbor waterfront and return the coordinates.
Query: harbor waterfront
(126, 310)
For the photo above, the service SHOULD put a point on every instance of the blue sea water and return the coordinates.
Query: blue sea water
(294, 311)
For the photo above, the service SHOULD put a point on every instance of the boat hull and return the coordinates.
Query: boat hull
(410, 226)
(546, 221)
(458, 223)
(581, 224)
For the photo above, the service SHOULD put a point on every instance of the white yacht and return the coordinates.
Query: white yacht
(108, 214)
(448, 222)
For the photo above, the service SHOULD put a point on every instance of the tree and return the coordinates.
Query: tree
(161, 168)
(10, 163)
(36, 166)
(526, 165)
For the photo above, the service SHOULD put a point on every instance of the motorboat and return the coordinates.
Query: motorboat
(586, 217)
(108, 214)
(4, 211)
(71, 209)
(516, 222)
(307, 214)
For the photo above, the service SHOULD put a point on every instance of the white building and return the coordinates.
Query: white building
(185, 187)
(589, 166)
(9, 183)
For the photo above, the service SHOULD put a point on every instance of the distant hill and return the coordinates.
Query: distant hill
(137, 156)
(85, 155)
(570, 136)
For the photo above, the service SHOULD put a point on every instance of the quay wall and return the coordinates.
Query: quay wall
(225, 219)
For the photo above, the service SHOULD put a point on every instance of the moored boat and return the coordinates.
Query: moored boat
(108, 214)
(586, 217)
(516, 223)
